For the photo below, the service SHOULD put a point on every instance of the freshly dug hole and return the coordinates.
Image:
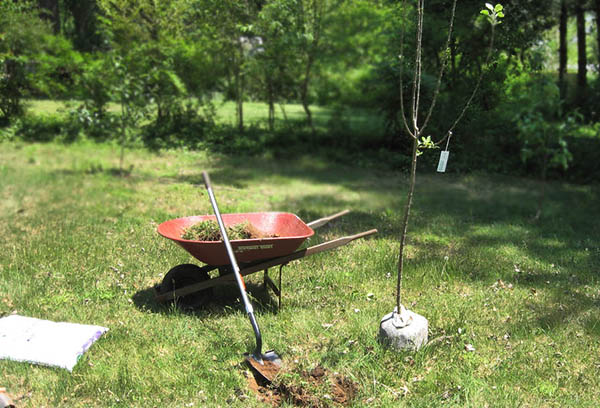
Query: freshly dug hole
(342, 390)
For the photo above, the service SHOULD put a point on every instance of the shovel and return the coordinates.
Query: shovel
(269, 363)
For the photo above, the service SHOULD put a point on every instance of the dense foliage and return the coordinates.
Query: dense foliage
(163, 66)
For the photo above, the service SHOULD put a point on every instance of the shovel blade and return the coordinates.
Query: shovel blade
(267, 364)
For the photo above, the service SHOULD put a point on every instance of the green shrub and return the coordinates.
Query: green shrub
(83, 122)
(56, 68)
(22, 36)
(183, 127)
(40, 128)
(95, 83)
(585, 166)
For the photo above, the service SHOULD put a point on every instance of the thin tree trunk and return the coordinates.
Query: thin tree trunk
(239, 99)
(160, 116)
(285, 118)
(271, 102)
(598, 29)
(83, 12)
(409, 198)
(271, 115)
(304, 92)
(123, 137)
(581, 55)
(311, 51)
(562, 50)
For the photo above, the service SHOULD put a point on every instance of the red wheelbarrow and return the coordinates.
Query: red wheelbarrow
(191, 285)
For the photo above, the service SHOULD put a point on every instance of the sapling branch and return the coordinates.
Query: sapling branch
(401, 74)
(418, 68)
(487, 59)
(442, 67)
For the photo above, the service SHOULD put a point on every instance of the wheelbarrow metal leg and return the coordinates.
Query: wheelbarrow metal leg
(280, 287)
(271, 285)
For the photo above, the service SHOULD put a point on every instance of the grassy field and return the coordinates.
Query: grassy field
(80, 245)
(255, 113)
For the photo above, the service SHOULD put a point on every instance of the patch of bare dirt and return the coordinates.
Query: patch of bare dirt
(342, 390)
(267, 369)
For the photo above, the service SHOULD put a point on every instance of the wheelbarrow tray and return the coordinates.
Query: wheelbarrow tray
(284, 233)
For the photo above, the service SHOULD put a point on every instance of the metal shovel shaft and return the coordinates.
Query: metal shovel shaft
(236, 270)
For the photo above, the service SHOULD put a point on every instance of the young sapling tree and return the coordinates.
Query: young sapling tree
(415, 125)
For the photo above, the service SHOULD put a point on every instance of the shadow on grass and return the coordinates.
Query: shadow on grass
(239, 171)
(224, 300)
(454, 206)
(98, 169)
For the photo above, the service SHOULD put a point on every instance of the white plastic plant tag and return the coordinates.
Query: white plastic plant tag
(443, 161)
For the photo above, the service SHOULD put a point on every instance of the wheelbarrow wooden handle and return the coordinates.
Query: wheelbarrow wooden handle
(315, 249)
(325, 246)
(322, 221)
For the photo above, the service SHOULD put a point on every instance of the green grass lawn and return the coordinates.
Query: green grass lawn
(255, 114)
(362, 123)
(79, 244)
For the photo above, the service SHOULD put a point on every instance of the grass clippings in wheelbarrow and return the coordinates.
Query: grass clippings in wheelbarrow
(208, 230)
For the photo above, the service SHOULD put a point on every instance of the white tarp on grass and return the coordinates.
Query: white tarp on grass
(57, 344)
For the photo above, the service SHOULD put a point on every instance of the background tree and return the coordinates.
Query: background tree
(581, 54)
(232, 24)
(145, 34)
(310, 14)
(562, 49)
(85, 32)
(597, 10)
(275, 26)
(22, 36)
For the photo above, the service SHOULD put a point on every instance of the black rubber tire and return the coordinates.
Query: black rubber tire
(185, 275)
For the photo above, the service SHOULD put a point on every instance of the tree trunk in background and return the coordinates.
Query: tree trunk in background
(562, 50)
(239, 98)
(271, 102)
(581, 55)
(304, 93)
(83, 12)
(313, 20)
(51, 13)
(598, 29)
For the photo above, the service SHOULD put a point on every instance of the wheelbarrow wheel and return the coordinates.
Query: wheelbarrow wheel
(184, 275)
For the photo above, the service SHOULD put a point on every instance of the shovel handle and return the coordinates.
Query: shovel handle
(206, 180)
(236, 269)
(234, 264)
